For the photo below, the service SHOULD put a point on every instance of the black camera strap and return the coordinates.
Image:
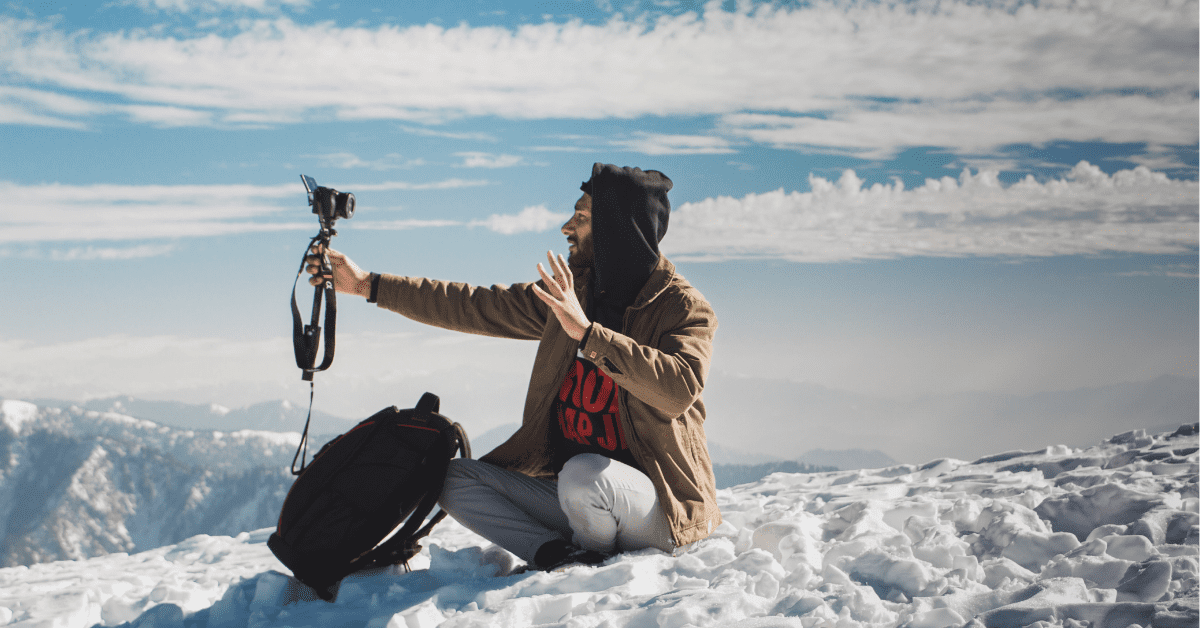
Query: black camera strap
(307, 338)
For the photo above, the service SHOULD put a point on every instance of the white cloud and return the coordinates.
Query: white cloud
(488, 160)
(110, 253)
(878, 131)
(41, 108)
(168, 117)
(445, 184)
(56, 212)
(425, 132)
(665, 144)
(187, 6)
(1087, 212)
(391, 161)
(403, 225)
(535, 218)
(880, 74)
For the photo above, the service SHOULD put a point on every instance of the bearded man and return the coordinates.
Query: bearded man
(611, 455)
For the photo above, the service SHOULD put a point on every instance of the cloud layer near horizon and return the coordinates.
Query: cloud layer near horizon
(1086, 212)
(965, 75)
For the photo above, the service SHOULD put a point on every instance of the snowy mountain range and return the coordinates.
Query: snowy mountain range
(77, 483)
(270, 416)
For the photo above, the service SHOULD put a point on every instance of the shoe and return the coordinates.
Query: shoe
(558, 554)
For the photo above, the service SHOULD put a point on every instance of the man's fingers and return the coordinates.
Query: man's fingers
(547, 298)
(568, 278)
(557, 290)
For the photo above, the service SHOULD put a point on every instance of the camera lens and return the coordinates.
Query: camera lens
(345, 205)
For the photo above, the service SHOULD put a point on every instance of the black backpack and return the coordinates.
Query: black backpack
(362, 500)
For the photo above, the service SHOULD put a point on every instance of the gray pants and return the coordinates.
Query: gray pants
(597, 503)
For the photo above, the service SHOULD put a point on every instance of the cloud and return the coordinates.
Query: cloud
(391, 161)
(536, 218)
(188, 6)
(663, 144)
(109, 253)
(1087, 212)
(57, 212)
(1178, 271)
(488, 160)
(865, 76)
(474, 137)
(877, 131)
(42, 108)
(403, 225)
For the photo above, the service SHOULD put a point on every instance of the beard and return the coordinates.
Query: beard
(583, 255)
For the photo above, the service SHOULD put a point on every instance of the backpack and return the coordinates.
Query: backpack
(362, 500)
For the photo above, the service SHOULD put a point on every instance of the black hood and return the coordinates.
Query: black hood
(629, 218)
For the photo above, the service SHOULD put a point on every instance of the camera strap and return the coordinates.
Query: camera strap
(307, 338)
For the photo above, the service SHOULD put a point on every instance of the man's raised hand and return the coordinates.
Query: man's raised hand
(560, 296)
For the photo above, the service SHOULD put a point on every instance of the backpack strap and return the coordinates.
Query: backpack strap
(429, 404)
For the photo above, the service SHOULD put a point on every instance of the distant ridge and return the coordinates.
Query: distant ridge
(271, 416)
(848, 459)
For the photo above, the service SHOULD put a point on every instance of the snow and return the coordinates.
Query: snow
(17, 413)
(1103, 536)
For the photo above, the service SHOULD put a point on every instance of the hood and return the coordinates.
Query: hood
(629, 218)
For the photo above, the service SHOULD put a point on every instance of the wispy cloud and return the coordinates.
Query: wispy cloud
(871, 130)
(427, 132)
(960, 74)
(90, 253)
(536, 218)
(666, 144)
(187, 6)
(488, 160)
(111, 253)
(1179, 271)
(391, 161)
(1086, 212)
(56, 212)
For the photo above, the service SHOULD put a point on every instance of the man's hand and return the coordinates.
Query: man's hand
(561, 297)
(348, 278)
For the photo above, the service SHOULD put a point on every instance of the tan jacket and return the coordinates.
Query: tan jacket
(660, 367)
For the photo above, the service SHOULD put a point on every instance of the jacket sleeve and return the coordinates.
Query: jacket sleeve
(501, 311)
(668, 374)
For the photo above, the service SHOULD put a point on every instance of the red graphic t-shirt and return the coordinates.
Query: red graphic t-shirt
(588, 417)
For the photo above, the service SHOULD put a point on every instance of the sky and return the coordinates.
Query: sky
(895, 200)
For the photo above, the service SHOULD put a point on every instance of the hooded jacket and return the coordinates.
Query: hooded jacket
(657, 350)
(630, 211)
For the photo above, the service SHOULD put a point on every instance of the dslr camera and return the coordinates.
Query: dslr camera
(327, 203)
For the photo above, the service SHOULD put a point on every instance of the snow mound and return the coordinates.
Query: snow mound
(1105, 536)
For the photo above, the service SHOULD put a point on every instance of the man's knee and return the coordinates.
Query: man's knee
(462, 473)
(582, 470)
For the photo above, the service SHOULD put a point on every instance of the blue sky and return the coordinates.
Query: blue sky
(894, 199)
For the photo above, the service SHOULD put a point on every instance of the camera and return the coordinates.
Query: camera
(327, 203)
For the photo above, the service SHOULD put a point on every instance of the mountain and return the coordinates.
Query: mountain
(271, 416)
(847, 459)
(76, 483)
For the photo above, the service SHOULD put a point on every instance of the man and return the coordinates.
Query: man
(611, 454)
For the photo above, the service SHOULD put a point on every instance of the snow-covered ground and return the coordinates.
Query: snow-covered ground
(1104, 536)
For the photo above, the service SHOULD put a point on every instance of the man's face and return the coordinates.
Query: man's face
(579, 232)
